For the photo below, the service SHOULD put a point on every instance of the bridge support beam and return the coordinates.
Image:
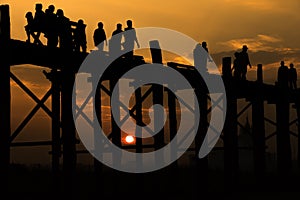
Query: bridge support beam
(231, 161)
(258, 124)
(68, 129)
(5, 100)
(283, 136)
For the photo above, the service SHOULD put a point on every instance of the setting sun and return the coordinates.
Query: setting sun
(129, 139)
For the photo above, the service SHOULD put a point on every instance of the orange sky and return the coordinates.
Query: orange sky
(224, 24)
(270, 27)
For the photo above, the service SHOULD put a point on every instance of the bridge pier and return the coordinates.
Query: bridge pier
(5, 100)
(284, 162)
(258, 128)
(68, 130)
(231, 161)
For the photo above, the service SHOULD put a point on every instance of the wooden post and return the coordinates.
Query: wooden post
(97, 119)
(226, 67)
(258, 124)
(283, 135)
(259, 73)
(158, 96)
(173, 125)
(230, 131)
(138, 141)
(55, 104)
(5, 100)
(68, 129)
(201, 170)
(297, 103)
(116, 131)
(139, 117)
(54, 77)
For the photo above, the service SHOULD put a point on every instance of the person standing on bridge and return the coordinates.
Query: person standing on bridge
(51, 32)
(38, 23)
(100, 37)
(201, 56)
(292, 77)
(64, 31)
(80, 36)
(244, 61)
(283, 76)
(130, 39)
(115, 45)
(29, 26)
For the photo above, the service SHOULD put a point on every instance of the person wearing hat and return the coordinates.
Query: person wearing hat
(244, 61)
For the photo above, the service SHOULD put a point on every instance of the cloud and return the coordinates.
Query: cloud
(259, 43)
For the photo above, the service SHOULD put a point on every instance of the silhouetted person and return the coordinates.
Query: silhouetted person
(236, 66)
(204, 45)
(244, 62)
(100, 37)
(64, 31)
(292, 77)
(29, 26)
(80, 36)
(115, 45)
(130, 39)
(283, 75)
(51, 29)
(38, 22)
(201, 57)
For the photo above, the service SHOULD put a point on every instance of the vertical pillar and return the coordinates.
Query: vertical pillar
(201, 170)
(97, 119)
(258, 124)
(54, 77)
(116, 131)
(139, 117)
(283, 135)
(138, 142)
(68, 129)
(55, 104)
(230, 131)
(226, 67)
(297, 103)
(5, 100)
(173, 125)
(158, 96)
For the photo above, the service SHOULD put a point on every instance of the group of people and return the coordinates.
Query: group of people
(287, 77)
(57, 28)
(116, 44)
(241, 63)
(69, 35)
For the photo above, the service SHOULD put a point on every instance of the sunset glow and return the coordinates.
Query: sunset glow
(129, 139)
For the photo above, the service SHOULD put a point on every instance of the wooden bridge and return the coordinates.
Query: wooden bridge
(63, 142)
